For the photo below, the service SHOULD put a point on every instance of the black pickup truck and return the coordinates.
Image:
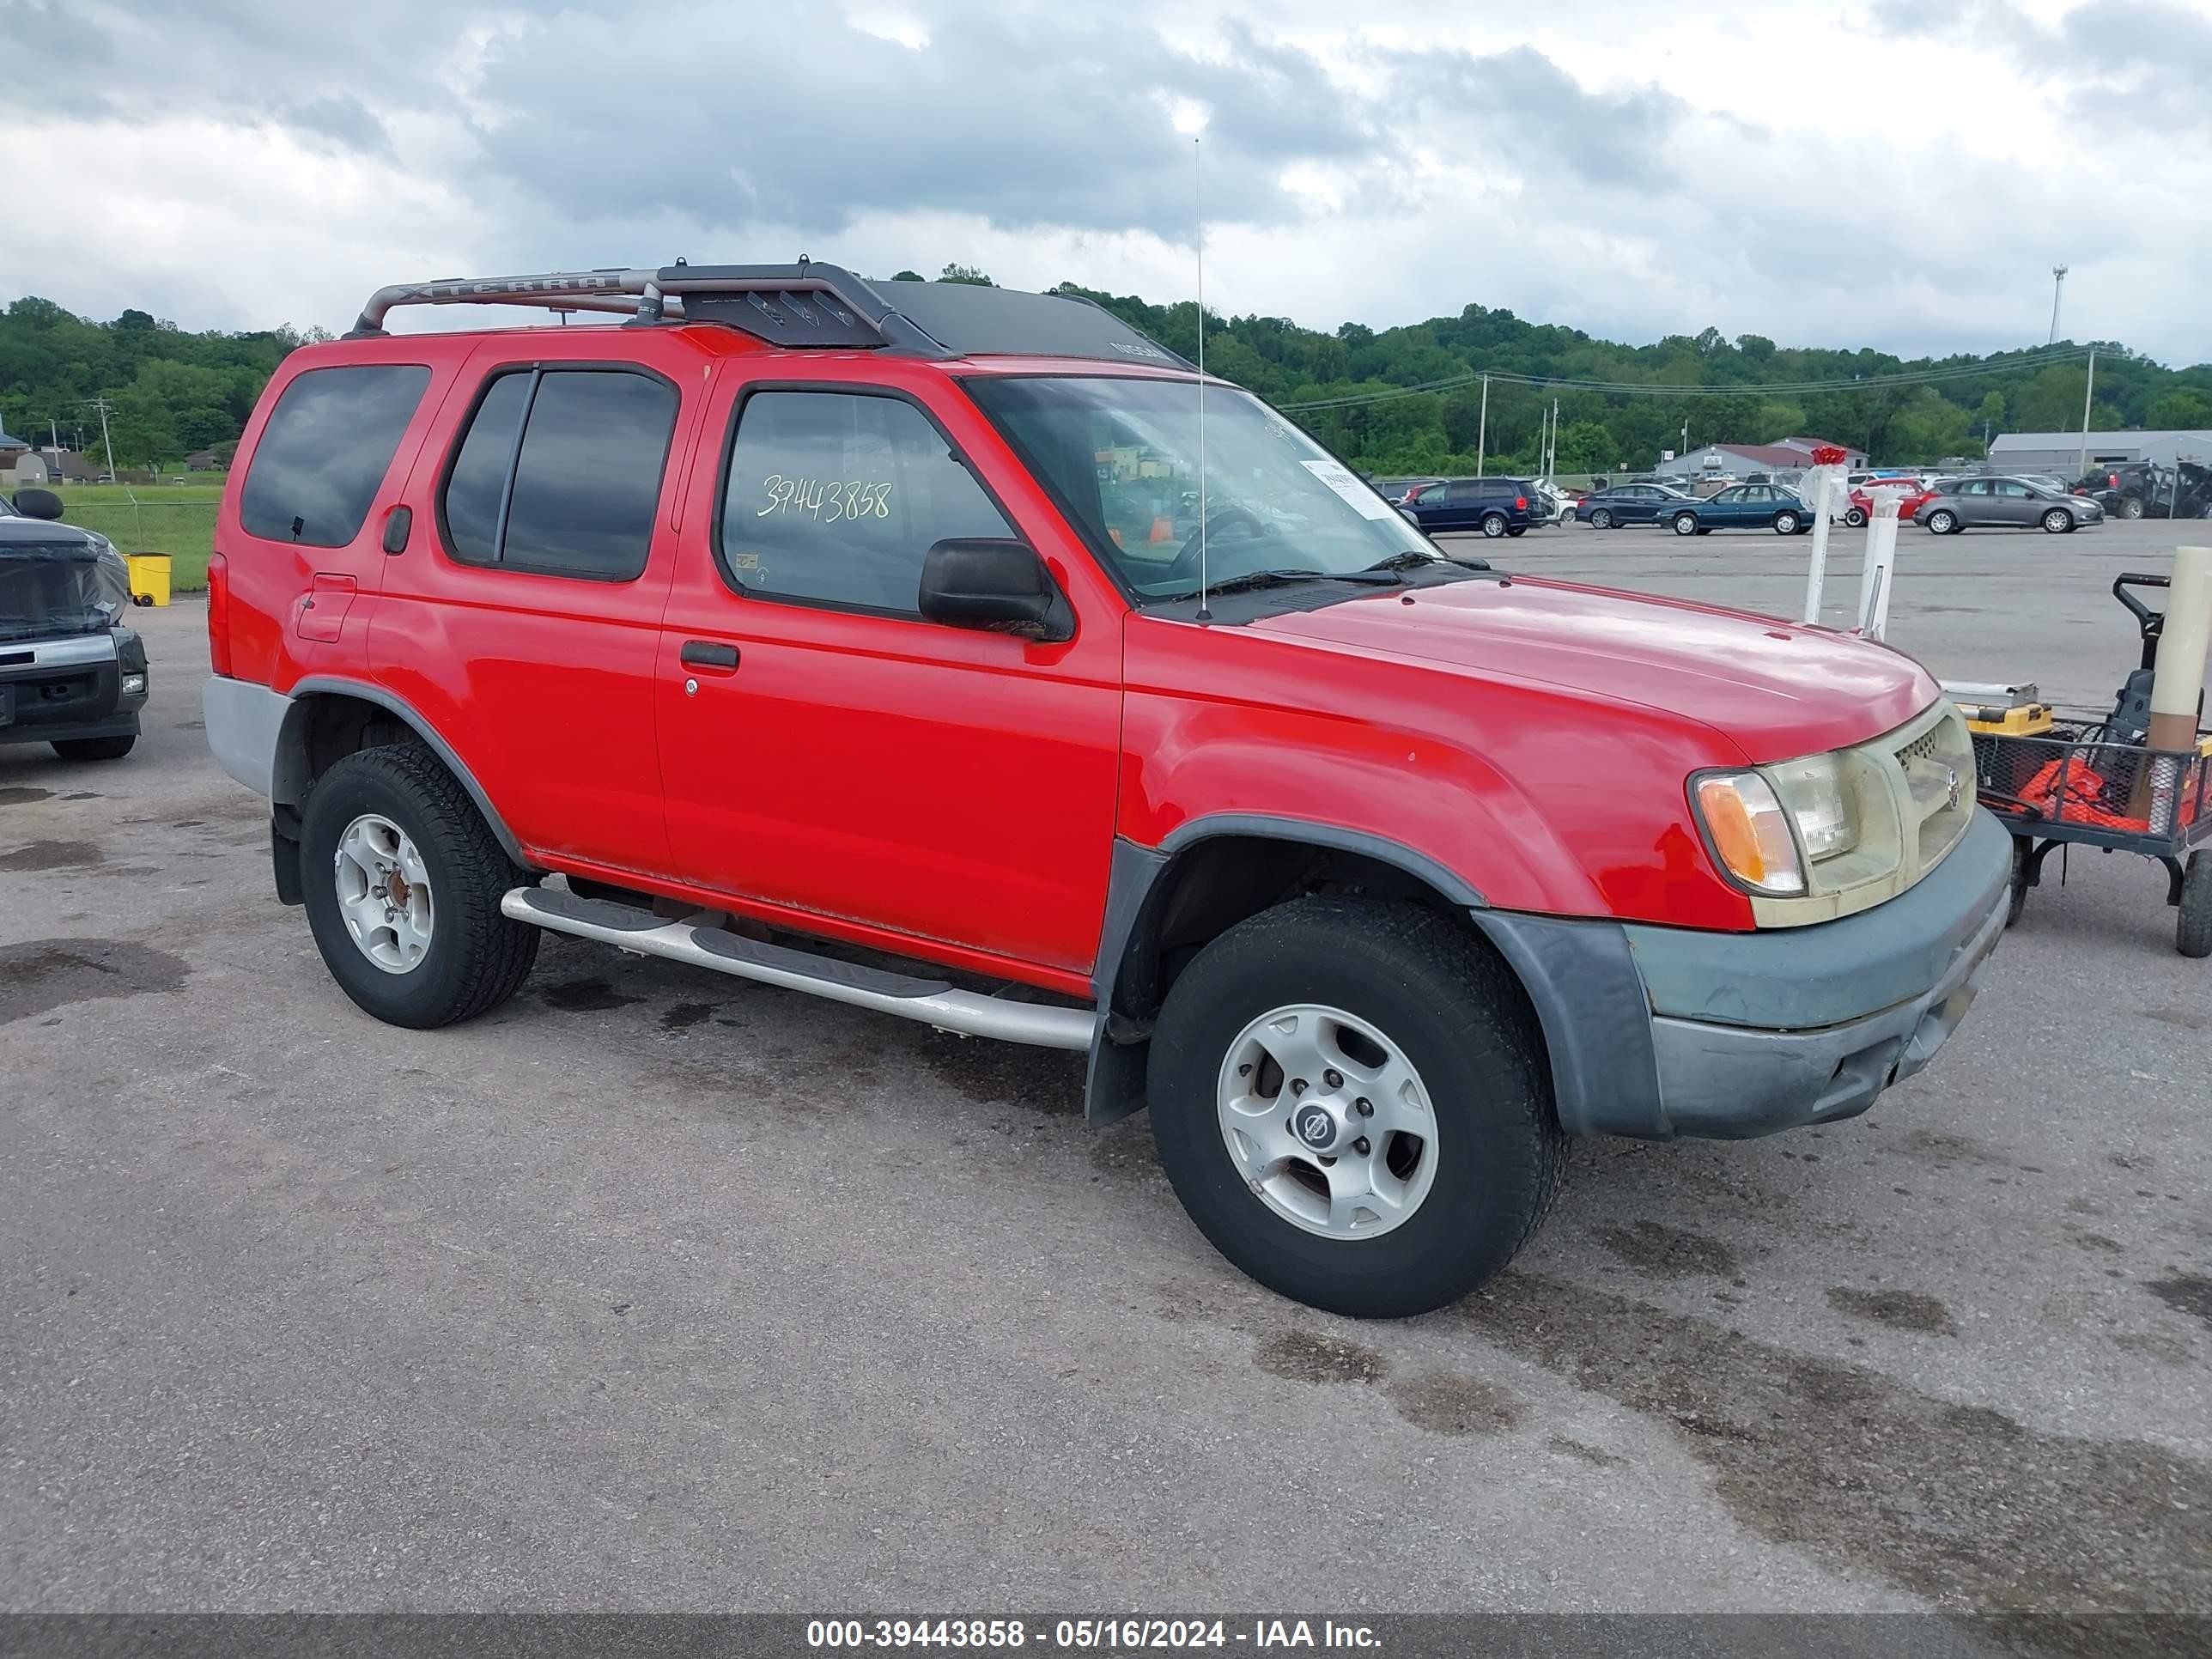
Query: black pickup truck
(72, 673)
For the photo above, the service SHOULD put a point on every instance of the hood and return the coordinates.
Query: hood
(1777, 691)
(56, 580)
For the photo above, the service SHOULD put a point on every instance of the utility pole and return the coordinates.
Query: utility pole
(106, 444)
(1482, 427)
(2057, 288)
(2089, 390)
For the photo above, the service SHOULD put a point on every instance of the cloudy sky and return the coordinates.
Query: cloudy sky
(1897, 173)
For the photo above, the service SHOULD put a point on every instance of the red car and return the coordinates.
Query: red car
(809, 613)
(1861, 507)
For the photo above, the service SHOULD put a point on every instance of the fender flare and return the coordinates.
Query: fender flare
(1114, 1083)
(289, 780)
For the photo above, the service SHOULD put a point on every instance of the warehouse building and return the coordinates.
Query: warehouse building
(2060, 453)
(1787, 455)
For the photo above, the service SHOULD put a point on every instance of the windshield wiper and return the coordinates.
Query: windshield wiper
(1375, 578)
(1414, 558)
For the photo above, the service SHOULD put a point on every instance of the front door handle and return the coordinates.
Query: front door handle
(711, 654)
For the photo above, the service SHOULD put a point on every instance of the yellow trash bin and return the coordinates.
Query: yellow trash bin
(149, 577)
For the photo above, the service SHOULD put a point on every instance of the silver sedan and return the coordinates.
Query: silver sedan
(2012, 503)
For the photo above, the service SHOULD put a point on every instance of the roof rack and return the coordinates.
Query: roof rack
(807, 304)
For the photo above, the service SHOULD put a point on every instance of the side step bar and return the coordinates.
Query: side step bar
(933, 1002)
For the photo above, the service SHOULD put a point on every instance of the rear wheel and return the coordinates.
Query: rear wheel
(1943, 521)
(1785, 524)
(1517, 530)
(403, 880)
(1601, 519)
(2192, 931)
(2131, 508)
(1348, 1098)
(1493, 524)
(94, 748)
(1855, 518)
(1686, 524)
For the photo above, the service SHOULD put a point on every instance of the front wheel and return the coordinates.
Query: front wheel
(94, 748)
(402, 879)
(1942, 522)
(1348, 1098)
(1493, 524)
(1686, 524)
(2057, 521)
(1601, 519)
(1785, 524)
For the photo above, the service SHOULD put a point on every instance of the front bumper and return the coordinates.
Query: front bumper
(72, 687)
(1657, 1032)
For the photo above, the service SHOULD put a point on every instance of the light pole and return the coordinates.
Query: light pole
(2057, 290)
(1482, 428)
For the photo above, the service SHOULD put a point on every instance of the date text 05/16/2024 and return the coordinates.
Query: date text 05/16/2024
(1086, 1635)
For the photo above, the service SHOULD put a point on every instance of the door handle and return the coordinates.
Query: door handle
(709, 653)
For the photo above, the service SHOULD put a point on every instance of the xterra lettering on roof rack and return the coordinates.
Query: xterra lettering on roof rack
(808, 305)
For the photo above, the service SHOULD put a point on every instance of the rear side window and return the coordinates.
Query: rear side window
(559, 473)
(834, 498)
(327, 448)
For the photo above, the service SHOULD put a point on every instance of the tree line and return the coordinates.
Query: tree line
(171, 391)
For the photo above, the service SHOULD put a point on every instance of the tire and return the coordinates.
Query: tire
(2057, 521)
(1943, 522)
(94, 748)
(1785, 524)
(2192, 930)
(2018, 901)
(476, 958)
(1517, 530)
(2131, 508)
(1458, 1020)
(1601, 519)
(1855, 518)
(1493, 524)
(1686, 524)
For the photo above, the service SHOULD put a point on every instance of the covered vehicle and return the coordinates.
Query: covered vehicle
(72, 673)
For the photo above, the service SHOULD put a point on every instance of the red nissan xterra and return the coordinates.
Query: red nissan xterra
(893, 642)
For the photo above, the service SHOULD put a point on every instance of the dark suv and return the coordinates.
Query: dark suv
(72, 673)
(1494, 506)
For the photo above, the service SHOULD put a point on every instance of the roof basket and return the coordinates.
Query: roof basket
(806, 305)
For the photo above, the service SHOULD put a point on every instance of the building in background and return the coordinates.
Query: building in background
(1736, 460)
(2060, 452)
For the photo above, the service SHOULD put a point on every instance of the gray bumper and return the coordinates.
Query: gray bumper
(1658, 1031)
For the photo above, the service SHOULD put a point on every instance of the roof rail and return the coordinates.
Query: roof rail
(802, 305)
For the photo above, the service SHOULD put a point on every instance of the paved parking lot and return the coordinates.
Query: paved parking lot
(652, 1290)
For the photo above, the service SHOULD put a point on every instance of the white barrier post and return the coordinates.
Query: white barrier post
(1818, 572)
(1880, 563)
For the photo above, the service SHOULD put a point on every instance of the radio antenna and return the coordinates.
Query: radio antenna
(1198, 194)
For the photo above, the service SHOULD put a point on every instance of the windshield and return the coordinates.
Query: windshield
(1123, 457)
(49, 590)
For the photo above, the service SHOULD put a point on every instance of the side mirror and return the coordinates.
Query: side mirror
(37, 504)
(993, 582)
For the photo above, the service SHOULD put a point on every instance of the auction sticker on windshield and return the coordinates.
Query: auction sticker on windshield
(1339, 477)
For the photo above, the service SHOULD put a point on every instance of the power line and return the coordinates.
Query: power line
(2040, 359)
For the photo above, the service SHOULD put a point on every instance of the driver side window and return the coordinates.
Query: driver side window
(835, 497)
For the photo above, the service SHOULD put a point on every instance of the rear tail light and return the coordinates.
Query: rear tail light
(1520, 503)
(218, 580)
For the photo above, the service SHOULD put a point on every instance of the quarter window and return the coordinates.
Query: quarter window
(560, 472)
(834, 497)
(326, 449)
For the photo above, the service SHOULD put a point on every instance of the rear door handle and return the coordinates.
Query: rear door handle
(709, 653)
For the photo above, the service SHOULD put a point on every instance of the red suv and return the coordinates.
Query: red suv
(892, 642)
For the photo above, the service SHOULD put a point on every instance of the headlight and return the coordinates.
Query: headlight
(133, 684)
(1811, 792)
(1749, 831)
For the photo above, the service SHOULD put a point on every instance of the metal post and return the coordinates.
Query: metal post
(1817, 573)
(1482, 427)
(2082, 461)
(1880, 564)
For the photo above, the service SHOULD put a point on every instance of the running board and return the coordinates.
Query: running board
(933, 1002)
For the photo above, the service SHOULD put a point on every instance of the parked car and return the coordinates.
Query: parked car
(72, 673)
(1911, 493)
(1966, 503)
(1630, 503)
(1491, 507)
(1741, 507)
(1394, 490)
(2145, 490)
(793, 624)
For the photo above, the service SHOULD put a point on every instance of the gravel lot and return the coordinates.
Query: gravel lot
(653, 1289)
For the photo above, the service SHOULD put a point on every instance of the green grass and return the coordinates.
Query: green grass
(177, 519)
